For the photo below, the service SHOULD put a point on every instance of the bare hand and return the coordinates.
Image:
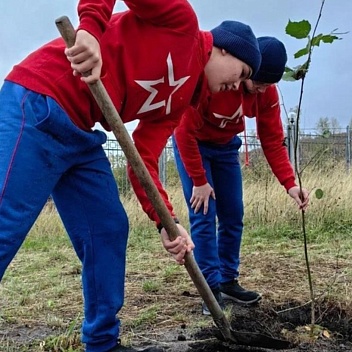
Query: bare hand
(301, 198)
(85, 56)
(200, 196)
(180, 246)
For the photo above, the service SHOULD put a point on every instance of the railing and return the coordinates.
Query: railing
(320, 151)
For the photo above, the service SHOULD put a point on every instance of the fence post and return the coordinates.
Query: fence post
(291, 138)
(348, 149)
(162, 167)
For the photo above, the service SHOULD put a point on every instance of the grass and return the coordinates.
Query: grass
(41, 300)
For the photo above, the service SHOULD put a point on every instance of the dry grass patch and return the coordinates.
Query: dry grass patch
(41, 301)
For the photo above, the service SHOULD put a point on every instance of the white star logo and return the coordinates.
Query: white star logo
(148, 85)
(225, 119)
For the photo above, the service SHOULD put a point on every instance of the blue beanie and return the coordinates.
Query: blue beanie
(239, 40)
(274, 60)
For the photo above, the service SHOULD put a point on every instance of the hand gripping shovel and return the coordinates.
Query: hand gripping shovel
(118, 128)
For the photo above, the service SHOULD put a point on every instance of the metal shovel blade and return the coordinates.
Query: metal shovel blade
(252, 339)
(259, 340)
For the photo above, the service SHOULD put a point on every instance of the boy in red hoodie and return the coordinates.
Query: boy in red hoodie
(154, 62)
(206, 152)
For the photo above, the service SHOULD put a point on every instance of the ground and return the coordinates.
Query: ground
(41, 301)
(291, 322)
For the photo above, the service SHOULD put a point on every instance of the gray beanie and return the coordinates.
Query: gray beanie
(239, 40)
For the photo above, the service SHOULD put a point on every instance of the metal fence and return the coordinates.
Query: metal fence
(320, 150)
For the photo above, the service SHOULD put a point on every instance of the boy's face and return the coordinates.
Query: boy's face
(225, 72)
(254, 87)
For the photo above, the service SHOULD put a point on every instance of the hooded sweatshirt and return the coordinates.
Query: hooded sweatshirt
(221, 117)
(153, 58)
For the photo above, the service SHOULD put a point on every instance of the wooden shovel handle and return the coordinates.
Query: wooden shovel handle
(119, 130)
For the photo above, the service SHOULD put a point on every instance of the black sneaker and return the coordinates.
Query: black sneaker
(233, 290)
(120, 348)
(217, 294)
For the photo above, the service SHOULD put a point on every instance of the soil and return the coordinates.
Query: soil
(291, 322)
(332, 333)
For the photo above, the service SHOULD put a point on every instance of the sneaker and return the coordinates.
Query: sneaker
(217, 294)
(120, 348)
(234, 291)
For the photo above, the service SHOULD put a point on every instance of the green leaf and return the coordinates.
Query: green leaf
(300, 71)
(316, 40)
(301, 52)
(288, 76)
(329, 38)
(298, 30)
(296, 73)
(319, 193)
(299, 74)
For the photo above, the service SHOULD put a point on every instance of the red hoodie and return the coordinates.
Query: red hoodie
(153, 57)
(221, 117)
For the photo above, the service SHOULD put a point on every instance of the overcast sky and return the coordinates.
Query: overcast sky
(26, 24)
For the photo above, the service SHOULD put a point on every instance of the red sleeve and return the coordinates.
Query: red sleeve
(150, 138)
(188, 147)
(271, 135)
(94, 15)
(177, 14)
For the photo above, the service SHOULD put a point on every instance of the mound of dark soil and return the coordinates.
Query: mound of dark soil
(332, 332)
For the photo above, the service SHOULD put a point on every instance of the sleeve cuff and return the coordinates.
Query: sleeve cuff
(289, 184)
(199, 181)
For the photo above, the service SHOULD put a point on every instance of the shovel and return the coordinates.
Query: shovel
(119, 130)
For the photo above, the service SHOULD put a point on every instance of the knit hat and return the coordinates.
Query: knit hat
(274, 60)
(239, 40)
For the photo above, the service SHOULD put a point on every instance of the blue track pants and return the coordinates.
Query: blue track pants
(217, 235)
(41, 153)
